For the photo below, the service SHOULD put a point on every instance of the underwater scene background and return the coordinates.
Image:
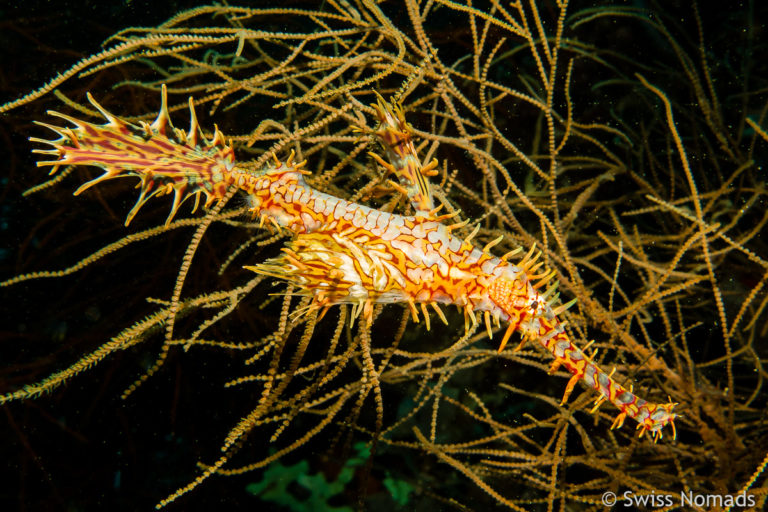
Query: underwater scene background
(626, 140)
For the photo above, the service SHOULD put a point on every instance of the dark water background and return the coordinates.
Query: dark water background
(82, 448)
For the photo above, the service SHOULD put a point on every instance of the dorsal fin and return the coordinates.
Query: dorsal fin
(395, 135)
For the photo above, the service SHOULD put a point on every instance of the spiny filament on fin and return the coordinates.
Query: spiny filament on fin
(347, 253)
(167, 160)
(395, 135)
